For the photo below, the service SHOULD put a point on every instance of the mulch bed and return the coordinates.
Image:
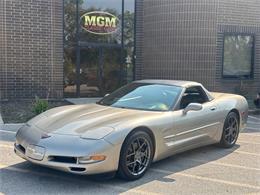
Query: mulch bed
(21, 111)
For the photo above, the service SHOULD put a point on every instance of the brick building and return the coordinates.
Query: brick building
(46, 49)
(31, 49)
(187, 39)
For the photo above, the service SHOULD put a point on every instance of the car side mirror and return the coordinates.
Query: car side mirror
(192, 107)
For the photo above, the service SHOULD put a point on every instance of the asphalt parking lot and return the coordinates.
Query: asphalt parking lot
(207, 170)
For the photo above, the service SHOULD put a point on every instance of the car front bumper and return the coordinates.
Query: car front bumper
(61, 152)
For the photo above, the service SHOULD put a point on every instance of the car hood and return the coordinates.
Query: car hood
(83, 119)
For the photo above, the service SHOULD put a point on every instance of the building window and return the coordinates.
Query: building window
(238, 58)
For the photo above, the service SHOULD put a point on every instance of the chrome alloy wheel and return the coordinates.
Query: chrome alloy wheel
(231, 130)
(138, 156)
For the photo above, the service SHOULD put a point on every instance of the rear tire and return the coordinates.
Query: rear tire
(136, 156)
(230, 131)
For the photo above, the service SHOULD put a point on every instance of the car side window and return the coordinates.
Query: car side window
(193, 95)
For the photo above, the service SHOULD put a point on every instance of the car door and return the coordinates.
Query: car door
(195, 127)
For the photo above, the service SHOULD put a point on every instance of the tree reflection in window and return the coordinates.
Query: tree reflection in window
(238, 56)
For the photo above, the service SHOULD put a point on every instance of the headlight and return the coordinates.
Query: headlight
(91, 159)
(35, 152)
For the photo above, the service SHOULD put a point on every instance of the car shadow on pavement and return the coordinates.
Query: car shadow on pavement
(33, 177)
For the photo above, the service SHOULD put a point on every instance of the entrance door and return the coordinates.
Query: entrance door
(100, 71)
(112, 72)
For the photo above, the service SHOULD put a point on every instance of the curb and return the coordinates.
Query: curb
(11, 127)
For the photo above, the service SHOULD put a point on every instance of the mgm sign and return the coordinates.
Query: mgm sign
(98, 22)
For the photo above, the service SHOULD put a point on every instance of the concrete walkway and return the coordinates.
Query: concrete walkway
(83, 100)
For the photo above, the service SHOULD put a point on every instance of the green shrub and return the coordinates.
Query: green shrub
(39, 106)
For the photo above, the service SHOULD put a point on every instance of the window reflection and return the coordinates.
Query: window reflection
(70, 22)
(113, 7)
(69, 71)
(238, 53)
(104, 65)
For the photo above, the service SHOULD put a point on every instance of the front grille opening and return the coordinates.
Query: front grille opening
(20, 148)
(77, 169)
(63, 159)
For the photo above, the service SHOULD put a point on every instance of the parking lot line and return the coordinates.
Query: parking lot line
(139, 191)
(250, 134)
(252, 128)
(6, 146)
(119, 188)
(245, 142)
(8, 167)
(254, 117)
(222, 164)
(207, 179)
(248, 153)
(253, 122)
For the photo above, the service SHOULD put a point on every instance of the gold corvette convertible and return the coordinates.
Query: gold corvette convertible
(126, 131)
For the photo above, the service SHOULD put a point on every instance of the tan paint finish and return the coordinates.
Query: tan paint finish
(82, 130)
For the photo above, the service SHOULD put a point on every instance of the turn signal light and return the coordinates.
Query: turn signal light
(91, 159)
(98, 157)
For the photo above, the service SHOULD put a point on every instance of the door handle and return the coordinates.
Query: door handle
(213, 108)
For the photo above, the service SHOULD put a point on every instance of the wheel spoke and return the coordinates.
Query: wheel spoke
(230, 121)
(227, 132)
(230, 138)
(143, 144)
(138, 141)
(138, 156)
(133, 147)
(234, 123)
(130, 155)
(227, 129)
(134, 168)
(130, 163)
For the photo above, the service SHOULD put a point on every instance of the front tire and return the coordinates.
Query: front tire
(230, 131)
(136, 156)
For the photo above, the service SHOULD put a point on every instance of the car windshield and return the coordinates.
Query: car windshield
(143, 96)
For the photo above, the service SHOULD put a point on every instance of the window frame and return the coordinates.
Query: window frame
(240, 77)
(178, 105)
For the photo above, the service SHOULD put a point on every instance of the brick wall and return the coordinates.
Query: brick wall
(179, 40)
(31, 37)
(2, 51)
(182, 39)
(139, 38)
(238, 16)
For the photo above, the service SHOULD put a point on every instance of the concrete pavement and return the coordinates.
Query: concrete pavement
(207, 170)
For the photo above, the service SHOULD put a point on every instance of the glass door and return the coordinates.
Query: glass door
(99, 39)
(111, 69)
(89, 72)
(100, 71)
